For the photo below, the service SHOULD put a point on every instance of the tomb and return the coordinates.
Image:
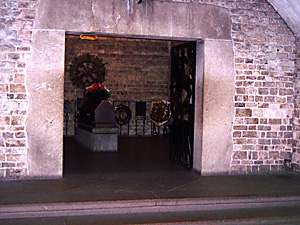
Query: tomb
(96, 129)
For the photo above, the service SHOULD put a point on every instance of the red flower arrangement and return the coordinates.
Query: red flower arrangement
(98, 89)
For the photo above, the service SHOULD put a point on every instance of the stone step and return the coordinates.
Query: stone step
(143, 206)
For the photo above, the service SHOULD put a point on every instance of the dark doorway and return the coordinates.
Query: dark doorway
(140, 148)
(182, 89)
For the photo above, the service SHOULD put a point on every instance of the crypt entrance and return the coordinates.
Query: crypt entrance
(214, 83)
(138, 73)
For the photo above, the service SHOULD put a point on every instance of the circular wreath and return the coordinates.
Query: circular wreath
(122, 114)
(160, 112)
(86, 70)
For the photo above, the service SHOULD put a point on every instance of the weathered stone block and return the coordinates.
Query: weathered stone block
(250, 134)
(16, 173)
(264, 141)
(17, 88)
(238, 169)
(29, 14)
(285, 155)
(243, 127)
(20, 134)
(239, 155)
(4, 120)
(7, 135)
(243, 112)
(3, 88)
(274, 155)
(251, 120)
(218, 107)
(271, 134)
(275, 121)
(17, 120)
(15, 143)
(99, 140)
(44, 124)
(15, 157)
(258, 162)
(264, 169)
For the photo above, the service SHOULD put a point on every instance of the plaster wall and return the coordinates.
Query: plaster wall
(151, 19)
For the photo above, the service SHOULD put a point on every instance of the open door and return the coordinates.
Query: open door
(182, 92)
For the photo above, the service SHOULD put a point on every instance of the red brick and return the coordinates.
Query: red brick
(275, 121)
(4, 120)
(251, 120)
(263, 91)
(17, 120)
(239, 141)
(243, 112)
(240, 127)
(271, 134)
(250, 134)
(240, 155)
(264, 141)
(3, 88)
(17, 88)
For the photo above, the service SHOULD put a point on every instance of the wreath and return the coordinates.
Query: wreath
(86, 70)
(160, 112)
(122, 114)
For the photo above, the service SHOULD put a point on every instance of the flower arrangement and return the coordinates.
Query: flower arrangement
(99, 90)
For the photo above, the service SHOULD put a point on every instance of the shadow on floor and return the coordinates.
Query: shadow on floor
(135, 154)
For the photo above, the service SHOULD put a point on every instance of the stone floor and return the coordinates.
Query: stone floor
(140, 174)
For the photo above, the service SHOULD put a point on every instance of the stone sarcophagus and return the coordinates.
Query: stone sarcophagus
(96, 112)
(96, 128)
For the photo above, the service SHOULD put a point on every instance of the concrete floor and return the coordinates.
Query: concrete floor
(147, 188)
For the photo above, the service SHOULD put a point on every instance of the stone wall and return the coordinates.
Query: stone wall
(264, 65)
(296, 154)
(16, 24)
(264, 50)
(136, 70)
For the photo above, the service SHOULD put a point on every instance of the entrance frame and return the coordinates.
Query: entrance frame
(214, 108)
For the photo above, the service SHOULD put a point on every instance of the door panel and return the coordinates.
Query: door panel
(182, 89)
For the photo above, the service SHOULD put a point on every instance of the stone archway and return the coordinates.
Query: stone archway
(155, 19)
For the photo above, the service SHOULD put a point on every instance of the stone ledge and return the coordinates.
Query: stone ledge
(142, 206)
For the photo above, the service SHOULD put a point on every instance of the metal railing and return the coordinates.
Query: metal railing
(138, 125)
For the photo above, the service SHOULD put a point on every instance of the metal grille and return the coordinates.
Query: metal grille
(140, 123)
(182, 104)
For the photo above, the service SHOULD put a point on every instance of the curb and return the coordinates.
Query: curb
(141, 206)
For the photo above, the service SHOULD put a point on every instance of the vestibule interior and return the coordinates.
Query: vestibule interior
(137, 72)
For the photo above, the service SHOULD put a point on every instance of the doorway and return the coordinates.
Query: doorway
(182, 97)
(213, 92)
(140, 137)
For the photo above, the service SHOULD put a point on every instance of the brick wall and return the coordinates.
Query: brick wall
(264, 49)
(136, 70)
(296, 155)
(16, 24)
(264, 52)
